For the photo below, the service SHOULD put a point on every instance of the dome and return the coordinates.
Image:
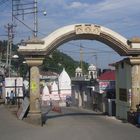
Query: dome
(78, 70)
(64, 80)
(64, 76)
(45, 94)
(54, 86)
(54, 92)
(45, 90)
(92, 67)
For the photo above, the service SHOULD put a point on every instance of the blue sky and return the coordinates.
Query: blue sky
(121, 16)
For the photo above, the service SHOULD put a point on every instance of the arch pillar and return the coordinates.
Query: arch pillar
(34, 84)
(135, 89)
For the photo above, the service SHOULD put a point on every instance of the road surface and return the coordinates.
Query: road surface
(72, 125)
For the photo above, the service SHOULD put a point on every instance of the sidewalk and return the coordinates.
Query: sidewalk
(7, 116)
(1, 101)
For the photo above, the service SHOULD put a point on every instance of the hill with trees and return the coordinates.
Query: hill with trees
(58, 60)
(54, 62)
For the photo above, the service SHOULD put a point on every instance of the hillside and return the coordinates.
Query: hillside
(58, 60)
(55, 62)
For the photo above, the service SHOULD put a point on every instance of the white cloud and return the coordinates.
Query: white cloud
(111, 6)
(78, 5)
(117, 14)
(52, 2)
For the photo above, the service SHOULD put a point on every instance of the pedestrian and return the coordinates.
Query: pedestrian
(12, 95)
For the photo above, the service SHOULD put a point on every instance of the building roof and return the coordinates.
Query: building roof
(64, 80)
(108, 75)
(78, 70)
(92, 68)
(48, 73)
(46, 90)
(54, 87)
(64, 77)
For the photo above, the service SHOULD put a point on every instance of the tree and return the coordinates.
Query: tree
(58, 60)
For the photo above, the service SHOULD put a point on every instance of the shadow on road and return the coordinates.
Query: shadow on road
(74, 114)
(51, 115)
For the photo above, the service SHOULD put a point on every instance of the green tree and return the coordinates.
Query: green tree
(58, 60)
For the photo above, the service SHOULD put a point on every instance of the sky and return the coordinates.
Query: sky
(121, 16)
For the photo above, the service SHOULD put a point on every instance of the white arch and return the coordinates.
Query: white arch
(67, 33)
(66, 30)
(79, 31)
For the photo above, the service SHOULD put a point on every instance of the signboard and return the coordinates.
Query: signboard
(10, 81)
(123, 94)
(103, 86)
(106, 85)
(23, 108)
(15, 84)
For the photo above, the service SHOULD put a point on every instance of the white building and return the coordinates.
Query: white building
(64, 83)
(54, 92)
(123, 88)
(78, 72)
(45, 95)
(92, 72)
(83, 87)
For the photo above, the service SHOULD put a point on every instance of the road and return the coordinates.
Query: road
(74, 124)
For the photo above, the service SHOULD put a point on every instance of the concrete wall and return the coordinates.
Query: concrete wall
(123, 86)
(83, 96)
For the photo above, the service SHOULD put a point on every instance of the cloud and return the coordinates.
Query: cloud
(111, 7)
(77, 5)
(122, 16)
(116, 14)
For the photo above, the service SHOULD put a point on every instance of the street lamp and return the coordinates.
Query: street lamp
(15, 58)
(24, 62)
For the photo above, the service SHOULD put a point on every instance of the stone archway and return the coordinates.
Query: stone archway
(118, 43)
(35, 49)
(87, 31)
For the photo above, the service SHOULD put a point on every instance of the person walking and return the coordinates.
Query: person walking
(12, 95)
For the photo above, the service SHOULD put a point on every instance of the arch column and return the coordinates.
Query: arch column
(135, 75)
(34, 84)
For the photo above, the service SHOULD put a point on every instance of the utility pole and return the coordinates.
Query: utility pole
(95, 55)
(35, 19)
(81, 57)
(21, 8)
(10, 34)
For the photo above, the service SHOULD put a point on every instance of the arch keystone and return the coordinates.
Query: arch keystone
(87, 29)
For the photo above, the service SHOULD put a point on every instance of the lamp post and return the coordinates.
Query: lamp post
(16, 57)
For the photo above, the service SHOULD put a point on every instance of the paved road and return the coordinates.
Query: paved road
(79, 126)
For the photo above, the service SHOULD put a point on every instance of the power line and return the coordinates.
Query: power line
(81, 57)
(98, 50)
(89, 52)
(4, 5)
(10, 34)
(3, 2)
(20, 9)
